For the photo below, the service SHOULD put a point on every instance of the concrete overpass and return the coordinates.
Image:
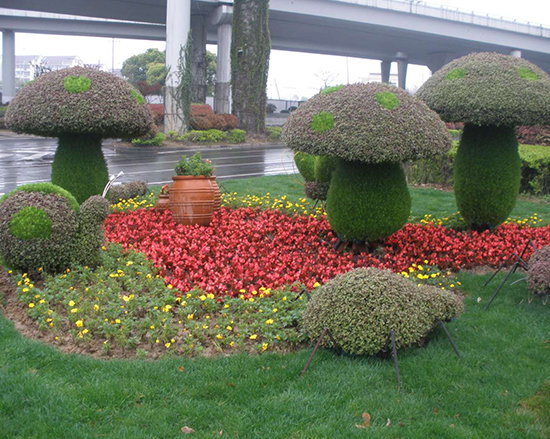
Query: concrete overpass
(388, 30)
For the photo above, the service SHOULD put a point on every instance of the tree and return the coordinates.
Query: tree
(326, 77)
(135, 68)
(250, 49)
(211, 68)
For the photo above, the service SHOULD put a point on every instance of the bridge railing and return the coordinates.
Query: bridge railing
(455, 14)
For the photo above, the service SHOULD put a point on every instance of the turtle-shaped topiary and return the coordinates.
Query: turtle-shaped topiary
(362, 306)
(538, 272)
(370, 129)
(491, 93)
(42, 226)
(81, 106)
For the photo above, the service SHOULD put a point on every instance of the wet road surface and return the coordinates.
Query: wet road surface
(28, 160)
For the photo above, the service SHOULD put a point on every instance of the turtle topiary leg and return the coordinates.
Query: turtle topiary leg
(367, 202)
(487, 175)
(79, 166)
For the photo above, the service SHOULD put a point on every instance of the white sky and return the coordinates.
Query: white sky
(292, 75)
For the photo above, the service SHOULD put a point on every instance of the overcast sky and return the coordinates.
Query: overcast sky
(292, 75)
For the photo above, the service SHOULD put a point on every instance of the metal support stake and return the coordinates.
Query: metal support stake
(520, 258)
(394, 349)
(314, 350)
(450, 339)
(512, 271)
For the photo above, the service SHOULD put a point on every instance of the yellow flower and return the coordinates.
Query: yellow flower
(226, 306)
(229, 328)
(42, 301)
(169, 286)
(316, 285)
(251, 299)
(79, 323)
(117, 321)
(269, 322)
(232, 344)
(210, 296)
(74, 310)
(275, 310)
(264, 346)
(219, 336)
(253, 337)
(96, 307)
(167, 345)
(152, 326)
(85, 331)
(31, 305)
(202, 298)
(190, 316)
(25, 290)
(129, 263)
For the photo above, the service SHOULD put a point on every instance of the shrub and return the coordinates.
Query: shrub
(538, 278)
(45, 188)
(200, 110)
(316, 190)
(491, 155)
(158, 113)
(91, 238)
(292, 108)
(360, 308)
(306, 165)
(237, 136)
(203, 123)
(285, 112)
(208, 136)
(368, 202)
(274, 133)
(225, 122)
(270, 108)
(157, 140)
(535, 135)
(540, 255)
(127, 191)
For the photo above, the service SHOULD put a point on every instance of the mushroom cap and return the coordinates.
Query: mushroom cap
(370, 123)
(489, 89)
(79, 100)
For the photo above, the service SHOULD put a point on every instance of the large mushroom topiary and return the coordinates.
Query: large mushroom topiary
(81, 106)
(491, 93)
(371, 129)
(362, 306)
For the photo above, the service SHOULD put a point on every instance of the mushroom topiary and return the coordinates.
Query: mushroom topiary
(491, 93)
(370, 128)
(306, 165)
(81, 106)
(42, 226)
(361, 307)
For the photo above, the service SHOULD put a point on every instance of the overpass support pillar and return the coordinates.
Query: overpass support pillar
(198, 62)
(222, 17)
(515, 53)
(178, 26)
(385, 67)
(8, 65)
(402, 64)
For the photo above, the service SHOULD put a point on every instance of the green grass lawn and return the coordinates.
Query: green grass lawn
(495, 391)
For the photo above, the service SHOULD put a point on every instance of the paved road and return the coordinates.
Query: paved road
(28, 160)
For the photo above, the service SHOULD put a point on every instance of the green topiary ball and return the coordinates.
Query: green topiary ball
(306, 165)
(487, 175)
(316, 190)
(368, 202)
(360, 308)
(324, 167)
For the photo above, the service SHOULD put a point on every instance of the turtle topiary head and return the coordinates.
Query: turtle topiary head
(79, 100)
(489, 89)
(360, 308)
(369, 123)
(38, 226)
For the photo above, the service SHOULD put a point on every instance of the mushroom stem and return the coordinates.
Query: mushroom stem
(79, 166)
(487, 175)
(367, 202)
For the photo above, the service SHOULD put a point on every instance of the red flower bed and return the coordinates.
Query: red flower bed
(248, 249)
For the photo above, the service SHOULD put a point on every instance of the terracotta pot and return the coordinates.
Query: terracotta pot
(217, 194)
(163, 203)
(192, 200)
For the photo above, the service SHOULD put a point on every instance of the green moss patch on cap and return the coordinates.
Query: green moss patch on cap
(31, 222)
(77, 84)
(387, 99)
(495, 89)
(364, 130)
(322, 122)
(138, 97)
(332, 89)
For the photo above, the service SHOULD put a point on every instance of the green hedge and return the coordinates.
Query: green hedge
(535, 170)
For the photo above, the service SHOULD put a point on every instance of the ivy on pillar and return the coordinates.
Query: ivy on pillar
(222, 18)
(198, 59)
(178, 27)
